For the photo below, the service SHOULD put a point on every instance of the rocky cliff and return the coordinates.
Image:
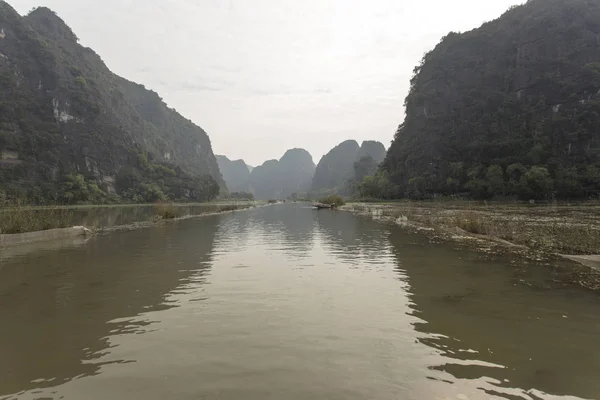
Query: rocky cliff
(510, 108)
(72, 131)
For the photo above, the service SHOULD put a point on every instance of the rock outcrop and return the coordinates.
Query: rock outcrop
(510, 108)
(64, 113)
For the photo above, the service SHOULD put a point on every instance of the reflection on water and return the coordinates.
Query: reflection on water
(59, 307)
(487, 324)
(288, 302)
(102, 217)
(356, 241)
(110, 216)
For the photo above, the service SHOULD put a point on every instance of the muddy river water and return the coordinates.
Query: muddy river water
(284, 302)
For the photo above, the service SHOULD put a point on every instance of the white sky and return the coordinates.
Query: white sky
(263, 76)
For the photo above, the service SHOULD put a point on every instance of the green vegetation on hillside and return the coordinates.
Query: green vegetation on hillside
(509, 109)
(146, 182)
(345, 166)
(73, 132)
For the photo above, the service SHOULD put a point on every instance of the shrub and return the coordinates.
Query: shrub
(167, 211)
(333, 200)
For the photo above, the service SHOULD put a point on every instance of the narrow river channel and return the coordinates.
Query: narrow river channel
(284, 302)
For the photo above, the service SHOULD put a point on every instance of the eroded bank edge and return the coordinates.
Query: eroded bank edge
(586, 267)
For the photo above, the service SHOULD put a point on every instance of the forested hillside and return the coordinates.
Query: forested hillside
(71, 131)
(344, 164)
(509, 109)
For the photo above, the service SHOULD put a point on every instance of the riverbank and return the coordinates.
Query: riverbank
(19, 239)
(30, 225)
(543, 233)
(164, 215)
(24, 218)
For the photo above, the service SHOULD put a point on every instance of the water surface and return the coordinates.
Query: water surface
(285, 302)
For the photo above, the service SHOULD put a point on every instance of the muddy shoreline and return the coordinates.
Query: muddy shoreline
(550, 234)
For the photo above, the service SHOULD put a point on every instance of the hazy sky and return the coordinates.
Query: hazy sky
(262, 76)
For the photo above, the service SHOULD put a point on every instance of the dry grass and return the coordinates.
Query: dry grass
(18, 218)
(563, 229)
(167, 210)
(173, 211)
(472, 222)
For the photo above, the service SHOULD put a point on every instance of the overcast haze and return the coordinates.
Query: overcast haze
(262, 76)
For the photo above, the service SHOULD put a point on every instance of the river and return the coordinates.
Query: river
(284, 302)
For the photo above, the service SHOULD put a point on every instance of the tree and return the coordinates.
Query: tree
(375, 187)
(592, 179)
(536, 184)
(76, 190)
(515, 172)
(416, 188)
(495, 180)
(568, 183)
(477, 183)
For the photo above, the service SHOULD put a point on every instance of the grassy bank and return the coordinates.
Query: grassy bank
(556, 229)
(17, 218)
(172, 210)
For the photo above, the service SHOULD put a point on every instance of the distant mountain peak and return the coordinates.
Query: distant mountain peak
(298, 155)
(279, 179)
(336, 168)
(373, 149)
(235, 173)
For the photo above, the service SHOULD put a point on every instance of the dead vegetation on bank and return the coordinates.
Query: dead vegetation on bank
(22, 218)
(167, 211)
(537, 232)
(173, 211)
(19, 218)
(550, 228)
